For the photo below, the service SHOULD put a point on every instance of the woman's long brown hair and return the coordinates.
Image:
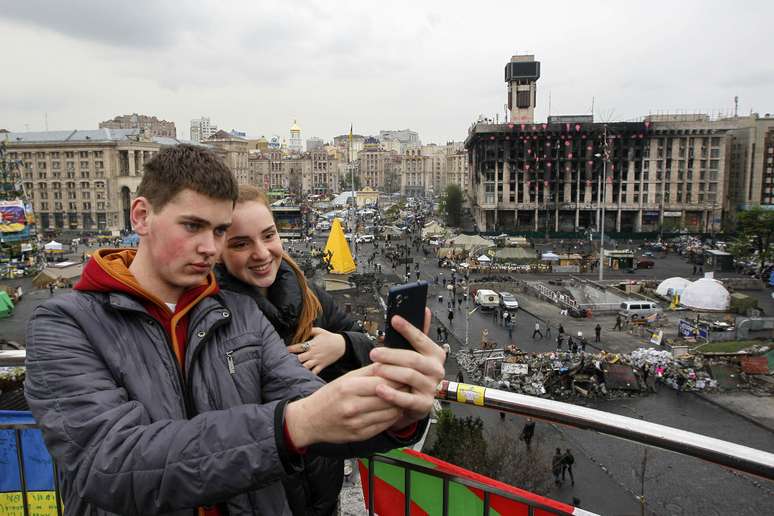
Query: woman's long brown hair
(310, 305)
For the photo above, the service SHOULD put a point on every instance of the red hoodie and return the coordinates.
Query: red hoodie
(108, 271)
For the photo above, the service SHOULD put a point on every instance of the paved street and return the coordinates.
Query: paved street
(608, 470)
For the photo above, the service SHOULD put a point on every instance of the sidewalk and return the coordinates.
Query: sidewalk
(759, 410)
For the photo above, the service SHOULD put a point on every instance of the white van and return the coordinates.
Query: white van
(487, 298)
(639, 309)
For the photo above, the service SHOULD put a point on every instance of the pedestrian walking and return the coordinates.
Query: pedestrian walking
(51, 289)
(567, 461)
(556, 466)
(510, 330)
(548, 329)
(598, 333)
(451, 317)
(583, 345)
(537, 331)
(444, 282)
(460, 378)
(438, 332)
(618, 321)
(417, 274)
(527, 432)
(561, 329)
(559, 339)
(506, 318)
(440, 298)
(680, 381)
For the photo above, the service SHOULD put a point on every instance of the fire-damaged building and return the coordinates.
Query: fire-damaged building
(549, 177)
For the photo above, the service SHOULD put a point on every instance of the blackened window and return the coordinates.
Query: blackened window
(522, 99)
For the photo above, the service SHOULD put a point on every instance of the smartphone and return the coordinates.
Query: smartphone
(409, 302)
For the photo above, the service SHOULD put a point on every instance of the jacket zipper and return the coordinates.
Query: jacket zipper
(188, 384)
(230, 359)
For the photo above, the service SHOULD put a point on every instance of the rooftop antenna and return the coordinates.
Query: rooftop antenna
(736, 106)
(549, 103)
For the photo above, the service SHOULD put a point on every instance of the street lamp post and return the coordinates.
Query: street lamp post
(601, 207)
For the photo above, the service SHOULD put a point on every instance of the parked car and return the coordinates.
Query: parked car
(638, 309)
(364, 239)
(508, 301)
(645, 264)
(487, 298)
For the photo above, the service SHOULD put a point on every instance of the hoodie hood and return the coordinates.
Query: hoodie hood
(108, 271)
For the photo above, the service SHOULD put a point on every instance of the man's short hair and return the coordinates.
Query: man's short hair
(176, 168)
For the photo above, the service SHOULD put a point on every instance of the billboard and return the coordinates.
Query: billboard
(13, 216)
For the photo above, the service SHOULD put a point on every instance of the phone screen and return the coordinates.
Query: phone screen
(409, 302)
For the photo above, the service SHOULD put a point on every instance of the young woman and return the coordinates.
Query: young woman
(326, 340)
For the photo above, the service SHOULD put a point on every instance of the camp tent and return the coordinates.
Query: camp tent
(515, 255)
(69, 273)
(54, 247)
(6, 305)
(433, 229)
(337, 249)
(131, 240)
(672, 286)
(706, 294)
(469, 242)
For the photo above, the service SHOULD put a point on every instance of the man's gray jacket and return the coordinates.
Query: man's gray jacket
(131, 435)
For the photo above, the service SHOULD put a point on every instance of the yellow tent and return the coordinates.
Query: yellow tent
(338, 250)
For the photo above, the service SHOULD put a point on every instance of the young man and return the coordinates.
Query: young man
(158, 394)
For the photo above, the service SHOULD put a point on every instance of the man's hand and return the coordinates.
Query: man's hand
(345, 410)
(420, 371)
(323, 349)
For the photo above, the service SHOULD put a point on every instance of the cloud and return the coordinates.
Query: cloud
(431, 66)
(132, 24)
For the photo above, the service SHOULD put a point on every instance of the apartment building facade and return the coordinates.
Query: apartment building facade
(667, 173)
(150, 124)
(233, 150)
(83, 181)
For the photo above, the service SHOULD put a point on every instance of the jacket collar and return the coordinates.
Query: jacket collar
(282, 304)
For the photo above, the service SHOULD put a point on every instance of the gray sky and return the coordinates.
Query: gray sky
(429, 66)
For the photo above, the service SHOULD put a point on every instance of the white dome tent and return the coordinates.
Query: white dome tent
(706, 294)
(676, 284)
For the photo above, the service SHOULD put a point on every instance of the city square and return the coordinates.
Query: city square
(600, 282)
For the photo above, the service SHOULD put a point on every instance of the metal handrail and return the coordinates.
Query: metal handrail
(724, 453)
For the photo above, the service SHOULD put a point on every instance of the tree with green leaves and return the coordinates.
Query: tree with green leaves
(345, 182)
(755, 236)
(452, 203)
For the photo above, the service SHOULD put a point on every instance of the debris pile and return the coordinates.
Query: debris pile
(561, 375)
(11, 378)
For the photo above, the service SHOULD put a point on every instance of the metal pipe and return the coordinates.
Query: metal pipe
(723, 453)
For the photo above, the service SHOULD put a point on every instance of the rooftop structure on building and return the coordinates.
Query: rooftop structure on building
(408, 139)
(521, 75)
(314, 143)
(152, 125)
(295, 143)
(201, 129)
